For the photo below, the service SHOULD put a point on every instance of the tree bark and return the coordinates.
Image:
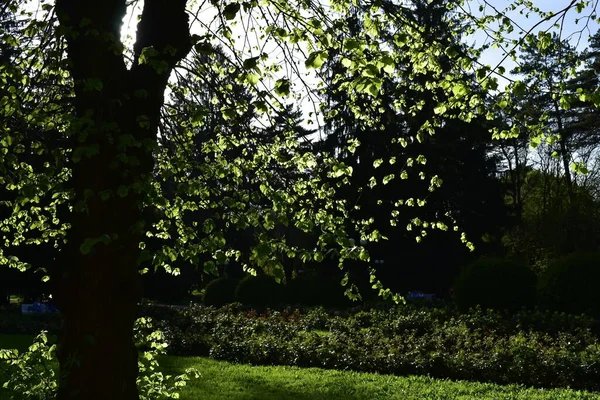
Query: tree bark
(114, 133)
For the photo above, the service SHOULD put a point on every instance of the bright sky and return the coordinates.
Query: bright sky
(578, 33)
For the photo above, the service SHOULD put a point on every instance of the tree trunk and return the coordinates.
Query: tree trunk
(565, 155)
(95, 278)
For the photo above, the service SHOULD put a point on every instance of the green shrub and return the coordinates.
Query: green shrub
(483, 345)
(220, 292)
(32, 374)
(499, 284)
(570, 284)
(259, 291)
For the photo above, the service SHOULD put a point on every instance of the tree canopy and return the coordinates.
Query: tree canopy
(115, 178)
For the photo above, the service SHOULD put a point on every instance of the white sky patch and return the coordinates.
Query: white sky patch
(249, 43)
(575, 27)
(128, 30)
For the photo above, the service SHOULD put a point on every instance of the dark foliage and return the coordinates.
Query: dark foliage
(316, 291)
(259, 291)
(220, 292)
(495, 283)
(570, 284)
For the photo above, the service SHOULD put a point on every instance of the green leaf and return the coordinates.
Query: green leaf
(344, 281)
(210, 268)
(351, 44)
(460, 90)
(204, 48)
(251, 63)
(231, 10)
(261, 106)
(440, 109)
(564, 102)
(373, 89)
(252, 79)
(451, 52)
(389, 64)
(519, 88)
(363, 255)
(316, 59)
(6, 141)
(87, 245)
(282, 87)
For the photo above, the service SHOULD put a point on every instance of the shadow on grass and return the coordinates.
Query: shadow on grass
(220, 381)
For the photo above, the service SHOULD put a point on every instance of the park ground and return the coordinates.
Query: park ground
(222, 380)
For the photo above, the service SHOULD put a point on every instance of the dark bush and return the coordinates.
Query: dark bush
(259, 291)
(500, 284)
(15, 323)
(316, 291)
(220, 292)
(570, 284)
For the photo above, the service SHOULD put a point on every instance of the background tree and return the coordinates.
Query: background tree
(456, 150)
(32, 160)
(556, 214)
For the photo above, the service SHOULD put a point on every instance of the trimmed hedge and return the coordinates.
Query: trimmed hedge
(259, 291)
(220, 292)
(571, 284)
(316, 291)
(15, 323)
(499, 284)
(535, 348)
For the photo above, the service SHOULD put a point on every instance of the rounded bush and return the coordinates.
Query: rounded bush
(499, 284)
(316, 291)
(220, 292)
(258, 291)
(570, 284)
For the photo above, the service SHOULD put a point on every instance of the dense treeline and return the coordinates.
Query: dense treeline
(534, 204)
(182, 151)
(530, 204)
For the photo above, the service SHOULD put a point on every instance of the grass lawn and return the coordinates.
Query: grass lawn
(222, 380)
(225, 381)
(19, 342)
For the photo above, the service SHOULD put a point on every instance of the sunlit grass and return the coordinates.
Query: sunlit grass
(226, 381)
(222, 380)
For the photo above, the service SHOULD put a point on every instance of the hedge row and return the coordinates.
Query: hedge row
(534, 348)
(13, 323)
(568, 284)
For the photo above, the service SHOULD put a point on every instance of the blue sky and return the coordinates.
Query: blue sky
(578, 34)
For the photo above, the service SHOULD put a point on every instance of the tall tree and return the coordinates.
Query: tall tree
(112, 149)
(389, 163)
(582, 126)
(546, 73)
(117, 115)
(552, 101)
